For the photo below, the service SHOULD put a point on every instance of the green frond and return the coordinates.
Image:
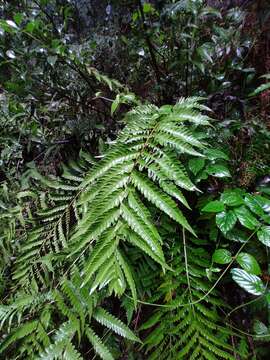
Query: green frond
(70, 353)
(50, 234)
(20, 333)
(162, 201)
(128, 274)
(174, 170)
(97, 344)
(137, 241)
(181, 133)
(101, 253)
(114, 324)
(141, 228)
(192, 329)
(166, 139)
(99, 234)
(53, 352)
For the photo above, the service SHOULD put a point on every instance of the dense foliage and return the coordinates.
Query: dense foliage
(134, 180)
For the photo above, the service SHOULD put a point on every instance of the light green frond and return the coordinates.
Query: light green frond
(182, 133)
(137, 241)
(98, 346)
(162, 201)
(70, 353)
(140, 227)
(114, 324)
(172, 141)
(20, 333)
(128, 275)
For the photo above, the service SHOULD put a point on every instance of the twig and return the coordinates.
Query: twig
(149, 43)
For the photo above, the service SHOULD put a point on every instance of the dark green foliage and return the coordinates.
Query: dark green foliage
(190, 326)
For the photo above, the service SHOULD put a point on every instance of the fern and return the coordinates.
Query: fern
(190, 325)
(143, 167)
(108, 206)
(75, 309)
(91, 222)
(52, 227)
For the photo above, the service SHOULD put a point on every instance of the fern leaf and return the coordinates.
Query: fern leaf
(111, 322)
(97, 344)
(137, 225)
(128, 274)
(70, 353)
(160, 200)
(18, 334)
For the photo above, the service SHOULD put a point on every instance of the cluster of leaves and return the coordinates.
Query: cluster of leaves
(96, 218)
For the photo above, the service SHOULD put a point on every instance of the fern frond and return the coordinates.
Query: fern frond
(59, 212)
(145, 170)
(189, 328)
(97, 344)
(111, 322)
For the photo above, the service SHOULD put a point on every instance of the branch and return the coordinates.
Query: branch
(150, 46)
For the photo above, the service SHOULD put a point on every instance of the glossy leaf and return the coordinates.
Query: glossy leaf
(222, 256)
(226, 220)
(246, 218)
(248, 263)
(196, 165)
(218, 170)
(213, 154)
(254, 205)
(251, 283)
(214, 206)
(264, 235)
(237, 235)
(232, 198)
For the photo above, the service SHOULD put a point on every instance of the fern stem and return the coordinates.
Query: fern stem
(186, 264)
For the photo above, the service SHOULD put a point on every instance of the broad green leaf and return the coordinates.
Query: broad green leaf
(226, 220)
(254, 205)
(18, 18)
(232, 197)
(218, 170)
(264, 235)
(195, 165)
(237, 235)
(214, 206)
(246, 218)
(222, 256)
(147, 7)
(264, 202)
(248, 263)
(213, 154)
(251, 283)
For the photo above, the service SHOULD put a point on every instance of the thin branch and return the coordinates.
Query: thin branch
(149, 43)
